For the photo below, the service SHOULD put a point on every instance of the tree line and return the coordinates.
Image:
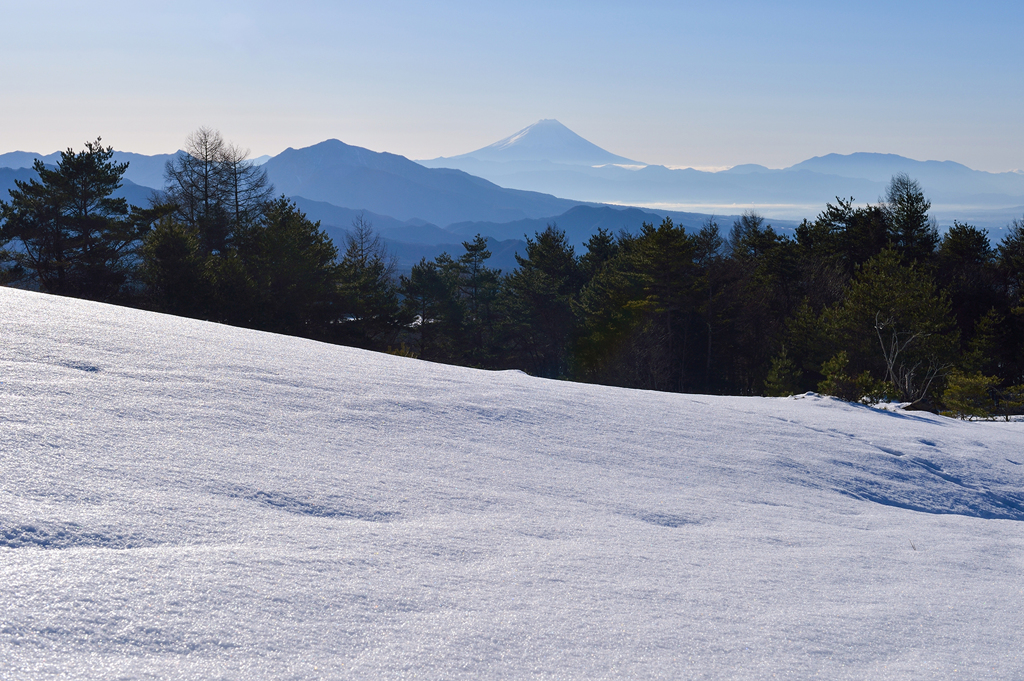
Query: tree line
(863, 302)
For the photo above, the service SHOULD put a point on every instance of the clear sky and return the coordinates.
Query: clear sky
(674, 83)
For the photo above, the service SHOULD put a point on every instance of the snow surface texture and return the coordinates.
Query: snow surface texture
(186, 500)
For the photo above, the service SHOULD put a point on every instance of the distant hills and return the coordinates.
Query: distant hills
(535, 159)
(419, 211)
(389, 184)
(147, 171)
(581, 222)
(135, 194)
(414, 239)
(945, 181)
(511, 188)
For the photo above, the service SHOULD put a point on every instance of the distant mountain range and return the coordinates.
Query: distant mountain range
(510, 189)
(147, 171)
(413, 239)
(135, 194)
(535, 159)
(389, 184)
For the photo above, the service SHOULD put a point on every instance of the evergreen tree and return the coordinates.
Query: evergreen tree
(840, 238)
(906, 210)
(749, 237)
(537, 304)
(970, 396)
(73, 236)
(895, 323)
(477, 288)
(809, 344)
(671, 288)
(838, 381)
(983, 351)
(176, 274)
(1010, 268)
(601, 248)
(612, 315)
(784, 377)
(289, 266)
(1011, 263)
(765, 290)
(965, 268)
(10, 271)
(430, 301)
(371, 313)
(714, 275)
(639, 322)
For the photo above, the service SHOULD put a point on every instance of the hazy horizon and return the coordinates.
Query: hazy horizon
(674, 84)
(262, 158)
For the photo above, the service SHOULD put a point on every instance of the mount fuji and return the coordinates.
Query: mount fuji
(548, 157)
(546, 141)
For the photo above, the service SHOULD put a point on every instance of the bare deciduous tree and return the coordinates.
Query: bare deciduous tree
(215, 189)
(912, 376)
(247, 185)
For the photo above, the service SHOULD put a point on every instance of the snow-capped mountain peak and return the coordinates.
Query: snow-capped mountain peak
(548, 140)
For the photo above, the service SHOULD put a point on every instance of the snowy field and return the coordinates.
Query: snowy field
(186, 500)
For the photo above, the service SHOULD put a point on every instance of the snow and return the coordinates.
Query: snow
(186, 500)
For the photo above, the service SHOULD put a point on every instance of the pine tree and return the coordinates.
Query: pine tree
(783, 376)
(601, 248)
(536, 304)
(290, 269)
(176, 274)
(477, 287)
(965, 268)
(73, 236)
(895, 323)
(370, 311)
(1011, 263)
(430, 301)
(970, 396)
(906, 210)
(671, 287)
(612, 316)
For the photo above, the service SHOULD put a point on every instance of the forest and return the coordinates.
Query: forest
(864, 302)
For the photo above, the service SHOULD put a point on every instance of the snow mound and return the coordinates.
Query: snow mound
(187, 500)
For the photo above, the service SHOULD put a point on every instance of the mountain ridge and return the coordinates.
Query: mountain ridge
(143, 170)
(956, 191)
(502, 192)
(345, 175)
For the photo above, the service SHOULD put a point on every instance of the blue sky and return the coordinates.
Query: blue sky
(675, 83)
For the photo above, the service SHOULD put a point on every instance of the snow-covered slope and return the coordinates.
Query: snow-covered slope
(186, 500)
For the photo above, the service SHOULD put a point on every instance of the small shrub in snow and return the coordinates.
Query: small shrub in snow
(861, 388)
(783, 376)
(975, 396)
(969, 396)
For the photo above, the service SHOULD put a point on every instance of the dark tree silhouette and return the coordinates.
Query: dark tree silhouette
(72, 236)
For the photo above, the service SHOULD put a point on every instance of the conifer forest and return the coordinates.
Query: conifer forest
(864, 302)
